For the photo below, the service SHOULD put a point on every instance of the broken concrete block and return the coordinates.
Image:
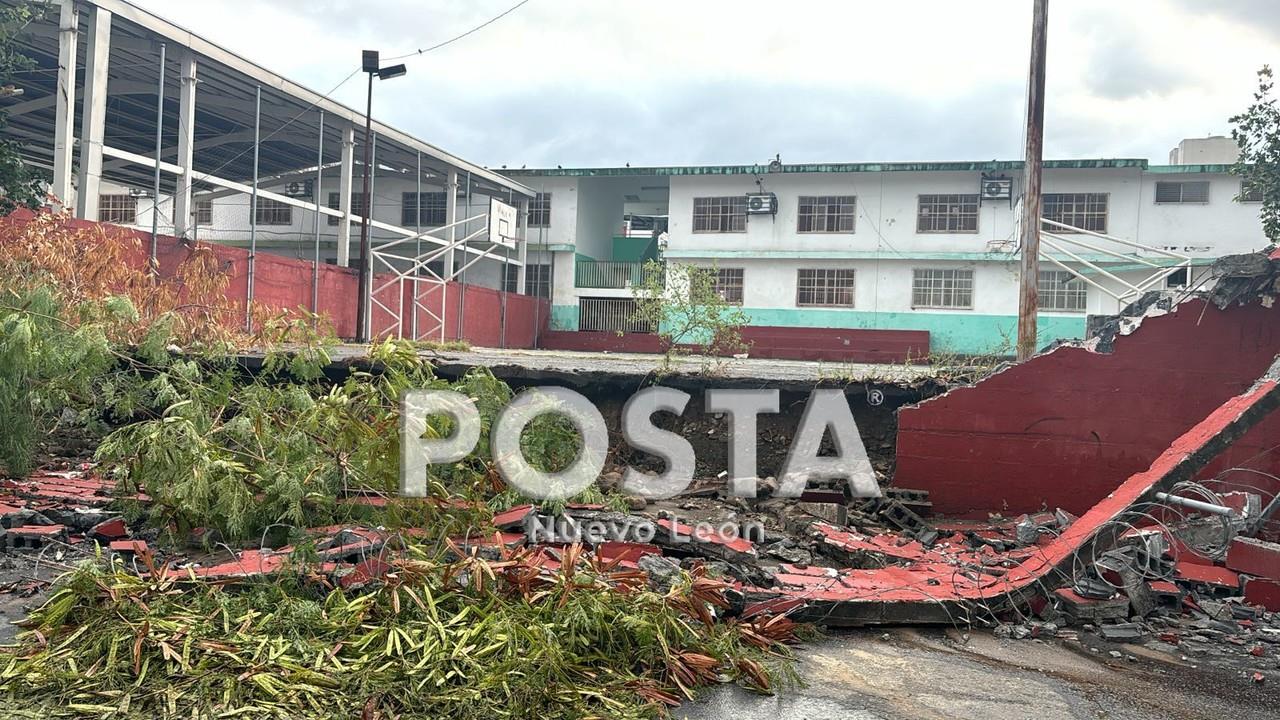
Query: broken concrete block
(1079, 609)
(1122, 632)
(1136, 588)
(1255, 557)
(34, 537)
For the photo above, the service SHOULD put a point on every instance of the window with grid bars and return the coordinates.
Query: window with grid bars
(933, 288)
(537, 280)
(824, 287)
(1189, 192)
(1250, 193)
(947, 214)
(826, 214)
(540, 211)
(273, 212)
(120, 209)
(724, 214)
(426, 208)
(727, 284)
(204, 212)
(510, 278)
(1087, 211)
(1062, 291)
(357, 207)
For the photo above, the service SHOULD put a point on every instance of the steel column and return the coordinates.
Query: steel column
(93, 112)
(64, 125)
(522, 251)
(344, 195)
(183, 218)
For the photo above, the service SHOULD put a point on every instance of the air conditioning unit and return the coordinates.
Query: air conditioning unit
(762, 204)
(997, 188)
(300, 189)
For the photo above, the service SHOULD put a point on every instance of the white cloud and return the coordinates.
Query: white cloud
(583, 82)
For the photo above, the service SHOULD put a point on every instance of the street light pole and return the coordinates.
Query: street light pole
(364, 303)
(363, 323)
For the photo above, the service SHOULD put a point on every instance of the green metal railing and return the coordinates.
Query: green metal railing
(609, 274)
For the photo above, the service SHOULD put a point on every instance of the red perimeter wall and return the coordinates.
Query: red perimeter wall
(490, 318)
(1066, 428)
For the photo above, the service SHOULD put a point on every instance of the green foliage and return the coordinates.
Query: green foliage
(682, 303)
(20, 184)
(49, 371)
(436, 640)
(1257, 130)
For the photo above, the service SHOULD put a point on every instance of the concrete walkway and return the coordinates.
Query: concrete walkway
(936, 674)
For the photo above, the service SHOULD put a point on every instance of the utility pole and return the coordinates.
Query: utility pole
(1028, 298)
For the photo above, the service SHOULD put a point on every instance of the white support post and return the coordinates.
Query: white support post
(450, 217)
(93, 114)
(522, 250)
(64, 125)
(344, 195)
(183, 218)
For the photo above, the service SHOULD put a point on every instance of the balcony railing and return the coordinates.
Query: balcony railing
(609, 274)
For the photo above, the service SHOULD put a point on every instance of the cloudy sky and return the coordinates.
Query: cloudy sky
(606, 82)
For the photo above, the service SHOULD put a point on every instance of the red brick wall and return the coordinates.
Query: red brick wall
(1066, 428)
(285, 283)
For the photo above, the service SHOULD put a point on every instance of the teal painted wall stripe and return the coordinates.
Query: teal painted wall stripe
(962, 333)
(564, 317)
(965, 333)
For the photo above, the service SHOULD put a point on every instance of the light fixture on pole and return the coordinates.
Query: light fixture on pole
(369, 64)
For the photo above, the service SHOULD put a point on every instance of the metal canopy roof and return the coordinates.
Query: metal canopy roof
(224, 125)
(762, 169)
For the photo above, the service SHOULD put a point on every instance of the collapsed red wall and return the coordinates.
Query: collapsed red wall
(490, 318)
(1066, 428)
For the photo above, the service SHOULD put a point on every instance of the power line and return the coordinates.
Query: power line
(456, 38)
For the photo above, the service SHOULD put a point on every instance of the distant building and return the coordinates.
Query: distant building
(1212, 150)
(920, 246)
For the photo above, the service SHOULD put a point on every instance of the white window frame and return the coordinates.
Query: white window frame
(271, 212)
(720, 214)
(827, 214)
(942, 288)
(1081, 207)
(118, 208)
(1062, 294)
(954, 209)
(826, 286)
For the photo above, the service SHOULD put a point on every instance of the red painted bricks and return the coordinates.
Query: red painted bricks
(1065, 428)
(1259, 591)
(1254, 557)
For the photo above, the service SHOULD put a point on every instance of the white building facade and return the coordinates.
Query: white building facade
(910, 246)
